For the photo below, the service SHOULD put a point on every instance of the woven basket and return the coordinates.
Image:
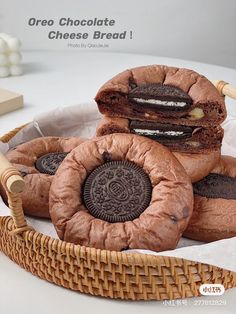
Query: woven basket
(98, 272)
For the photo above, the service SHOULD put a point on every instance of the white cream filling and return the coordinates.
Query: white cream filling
(158, 132)
(160, 102)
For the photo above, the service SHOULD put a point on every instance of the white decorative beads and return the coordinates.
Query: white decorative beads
(4, 71)
(3, 46)
(10, 56)
(3, 59)
(13, 44)
(15, 70)
(14, 58)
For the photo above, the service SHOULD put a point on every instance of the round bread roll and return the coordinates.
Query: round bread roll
(121, 191)
(37, 161)
(214, 215)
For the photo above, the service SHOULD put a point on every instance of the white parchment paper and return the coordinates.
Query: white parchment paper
(82, 120)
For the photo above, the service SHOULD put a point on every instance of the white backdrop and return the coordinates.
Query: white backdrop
(202, 30)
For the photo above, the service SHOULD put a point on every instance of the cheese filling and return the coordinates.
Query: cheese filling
(158, 132)
(160, 102)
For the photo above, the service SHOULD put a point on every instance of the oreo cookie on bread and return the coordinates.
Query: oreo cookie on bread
(214, 215)
(180, 138)
(50, 162)
(162, 94)
(112, 196)
(158, 96)
(117, 191)
(38, 161)
(215, 186)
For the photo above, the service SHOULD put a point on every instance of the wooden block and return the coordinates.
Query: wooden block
(9, 101)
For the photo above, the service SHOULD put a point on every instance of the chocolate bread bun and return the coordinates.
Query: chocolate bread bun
(121, 191)
(162, 94)
(37, 161)
(179, 138)
(214, 215)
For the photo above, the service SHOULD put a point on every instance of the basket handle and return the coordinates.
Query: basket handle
(13, 184)
(225, 89)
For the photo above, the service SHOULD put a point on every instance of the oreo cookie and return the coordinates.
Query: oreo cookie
(160, 97)
(216, 186)
(50, 162)
(117, 191)
(161, 132)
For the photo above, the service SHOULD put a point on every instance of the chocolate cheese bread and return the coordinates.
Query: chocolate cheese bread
(181, 138)
(214, 215)
(162, 94)
(38, 161)
(108, 195)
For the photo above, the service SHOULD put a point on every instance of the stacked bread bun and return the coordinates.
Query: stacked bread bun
(177, 107)
(182, 110)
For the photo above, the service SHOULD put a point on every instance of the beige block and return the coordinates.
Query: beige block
(10, 101)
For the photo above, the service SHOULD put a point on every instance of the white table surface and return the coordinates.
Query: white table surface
(55, 79)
